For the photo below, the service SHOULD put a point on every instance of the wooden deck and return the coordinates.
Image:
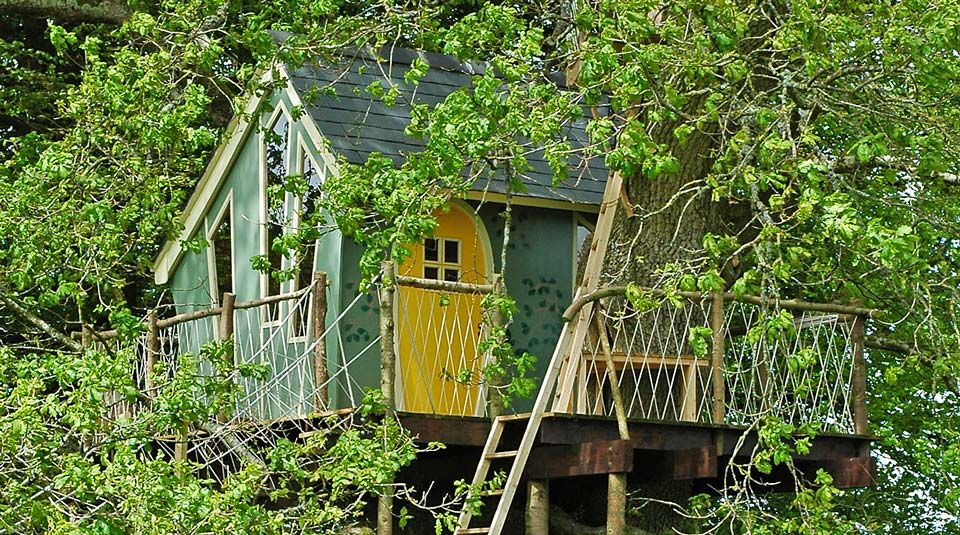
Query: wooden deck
(580, 445)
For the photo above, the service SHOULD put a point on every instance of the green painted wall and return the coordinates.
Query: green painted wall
(361, 327)
(539, 277)
(190, 282)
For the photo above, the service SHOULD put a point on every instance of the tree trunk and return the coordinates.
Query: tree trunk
(668, 228)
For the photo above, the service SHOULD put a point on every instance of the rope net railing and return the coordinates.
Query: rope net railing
(440, 367)
(797, 366)
(659, 375)
(264, 366)
(269, 389)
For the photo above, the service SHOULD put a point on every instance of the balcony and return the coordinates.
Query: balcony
(708, 360)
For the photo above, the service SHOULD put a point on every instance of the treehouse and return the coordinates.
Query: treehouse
(239, 208)
(665, 389)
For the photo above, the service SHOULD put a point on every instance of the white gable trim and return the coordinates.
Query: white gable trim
(220, 164)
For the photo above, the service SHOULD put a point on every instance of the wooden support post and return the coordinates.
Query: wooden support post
(616, 504)
(153, 352)
(859, 386)
(616, 483)
(495, 319)
(387, 378)
(538, 507)
(615, 393)
(226, 319)
(320, 372)
(689, 406)
(716, 363)
(180, 448)
(387, 327)
(224, 334)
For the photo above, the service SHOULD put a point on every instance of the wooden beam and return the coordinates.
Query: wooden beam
(589, 458)
(788, 304)
(471, 431)
(848, 472)
(681, 465)
(682, 436)
(443, 286)
(559, 429)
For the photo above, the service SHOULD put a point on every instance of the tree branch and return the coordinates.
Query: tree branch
(850, 163)
(40, 323)
(111, 11)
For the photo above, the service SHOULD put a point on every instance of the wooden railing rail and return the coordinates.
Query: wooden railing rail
(199, 314)
(787, 304)
(443, 286)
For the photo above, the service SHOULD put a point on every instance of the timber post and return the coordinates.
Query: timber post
(716, 364)
(225, 335)
(320, 373)
(538, 507)
(616, 504)
(616, 482)
(859, 386)
(387, 378)
(225, 332)
(495, 319)
(153, 351)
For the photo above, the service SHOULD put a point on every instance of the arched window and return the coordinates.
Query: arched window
(306, 206)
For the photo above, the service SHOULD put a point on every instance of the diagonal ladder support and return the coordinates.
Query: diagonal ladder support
(563, 365)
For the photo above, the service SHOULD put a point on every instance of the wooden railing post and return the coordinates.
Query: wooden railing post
(387, 377)
(226, 317)
(716, 373)
(859, 386)
(320, 373)
(225, 333)
(495, 319)
(387, 328)
(153, 351)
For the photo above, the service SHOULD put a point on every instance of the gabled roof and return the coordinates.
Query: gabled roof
(357, 125)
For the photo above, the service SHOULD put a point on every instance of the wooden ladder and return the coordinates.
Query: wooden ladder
(492, 452)
(566, 358)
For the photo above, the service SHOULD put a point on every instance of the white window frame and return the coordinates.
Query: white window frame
(281, 107)
(302, 152)
(211, 230)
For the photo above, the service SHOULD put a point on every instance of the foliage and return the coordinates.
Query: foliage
(66, 469)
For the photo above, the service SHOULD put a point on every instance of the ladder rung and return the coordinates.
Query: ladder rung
(513, 417)
(494, 492)
(501, 454)
(468, 531)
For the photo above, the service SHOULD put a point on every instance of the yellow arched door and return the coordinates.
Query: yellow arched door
(437, 333)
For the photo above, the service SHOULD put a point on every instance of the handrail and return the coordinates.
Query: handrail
(443, 286)
(208, 312)
(790, 304)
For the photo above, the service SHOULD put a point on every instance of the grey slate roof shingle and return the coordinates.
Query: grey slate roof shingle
(357, 125)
